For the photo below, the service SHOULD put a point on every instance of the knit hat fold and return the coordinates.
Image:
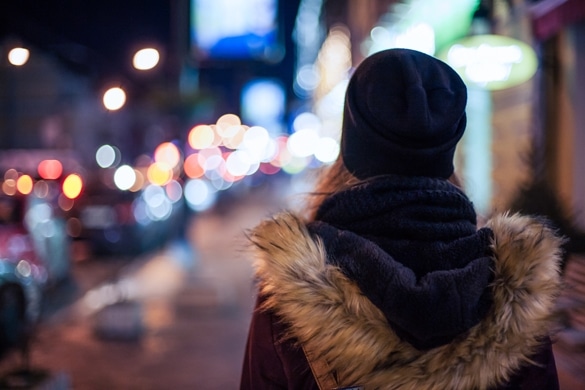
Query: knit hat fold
(404, 114)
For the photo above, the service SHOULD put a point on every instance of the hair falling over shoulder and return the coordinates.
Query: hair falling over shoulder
(331, 179)
(335, 178)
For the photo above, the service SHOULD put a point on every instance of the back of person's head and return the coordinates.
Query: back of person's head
(404, 114)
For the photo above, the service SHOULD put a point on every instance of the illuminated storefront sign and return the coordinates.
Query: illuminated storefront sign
(491, 62)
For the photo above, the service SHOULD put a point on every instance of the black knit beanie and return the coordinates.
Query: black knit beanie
(404, 114)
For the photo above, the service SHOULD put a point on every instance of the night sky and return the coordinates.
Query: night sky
(89, 35)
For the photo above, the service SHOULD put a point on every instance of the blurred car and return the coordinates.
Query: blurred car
(34, 256)
(112, 222)
(105, 221)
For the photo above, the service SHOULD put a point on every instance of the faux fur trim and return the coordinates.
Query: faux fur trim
(329, 315)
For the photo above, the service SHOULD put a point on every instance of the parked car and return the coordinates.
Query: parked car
(34, 256)
(113, 222)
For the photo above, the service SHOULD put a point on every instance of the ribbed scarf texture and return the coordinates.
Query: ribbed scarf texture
(412, 246)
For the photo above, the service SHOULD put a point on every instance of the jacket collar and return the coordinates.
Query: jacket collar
(330, 316)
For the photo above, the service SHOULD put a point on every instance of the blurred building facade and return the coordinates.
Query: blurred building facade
(559, 32)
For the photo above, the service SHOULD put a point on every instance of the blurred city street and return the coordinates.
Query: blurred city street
(138, 146)
(175, 319)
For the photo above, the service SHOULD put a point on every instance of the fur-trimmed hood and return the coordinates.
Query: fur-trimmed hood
(331, 317)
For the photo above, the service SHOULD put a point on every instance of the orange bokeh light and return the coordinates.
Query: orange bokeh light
(167, 153)
(159, 173)
(201, 137)
(9, 187)
(192, 168)
(24, 184)
(72, 186)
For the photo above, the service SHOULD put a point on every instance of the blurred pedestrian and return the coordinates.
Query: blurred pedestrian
(390, 283)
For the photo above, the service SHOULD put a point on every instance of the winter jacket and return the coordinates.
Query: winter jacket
(310, 301)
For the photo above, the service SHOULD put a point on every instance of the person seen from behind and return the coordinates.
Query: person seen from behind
(390, 283)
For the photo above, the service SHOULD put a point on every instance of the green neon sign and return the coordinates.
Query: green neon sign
(491, 62)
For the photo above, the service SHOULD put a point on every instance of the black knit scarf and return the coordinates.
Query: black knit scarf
(412, 246)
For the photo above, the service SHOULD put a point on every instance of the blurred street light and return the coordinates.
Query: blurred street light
(50, 169)
(24, 184)
(114, 98)
(18, 56)
(72, 186)
(146, 59)
(107, 156)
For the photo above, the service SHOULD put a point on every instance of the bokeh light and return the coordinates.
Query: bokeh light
(65, 203)
(24, 184)
(174, 191)
(9, 187)
(114, 98)
(41, 189)
(158, 205)
(107, 156)
(159, 173)
(327, 150)
(303, 142)
(268, 169)
(306, 120)
(238, 163)
(18, 56)
(210, 158)
(167, 153)
(23, 267)
(72, 186)
(199, 194)
(268, 91)
(226, 121)
(50, 169)
(145, 59)
(192, 167)
(308, 77)
(139, 181)
(283, 155)
(233, 136)
(11, 174)
(218, 156)
(125, 177)
(201, 137)
(295, 164)
(256, 142)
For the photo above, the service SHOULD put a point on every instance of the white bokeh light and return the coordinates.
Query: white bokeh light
(158, 205)
(303, 142)
(199, 195)
(106, 156)
(238, 163)
(18, 56)
(256, 142)
(146, 59)
(114, 98)
(125, 177)
(327, 150)
(306, 120)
